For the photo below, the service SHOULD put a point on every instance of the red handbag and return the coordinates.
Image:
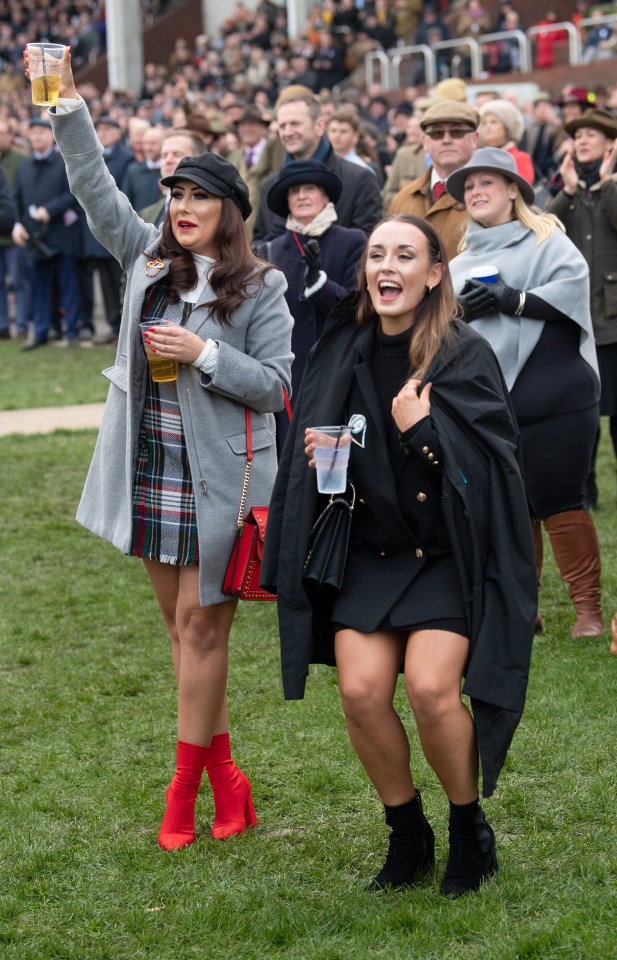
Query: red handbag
(244, 567)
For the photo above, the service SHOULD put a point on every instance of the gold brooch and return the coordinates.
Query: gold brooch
(153, 267)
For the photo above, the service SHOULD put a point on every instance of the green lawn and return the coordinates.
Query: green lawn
(52, 376)
(88, 730)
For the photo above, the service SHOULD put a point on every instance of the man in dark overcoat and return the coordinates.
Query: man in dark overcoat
(48, 227)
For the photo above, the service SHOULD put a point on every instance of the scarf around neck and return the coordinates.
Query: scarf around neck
(318, 225)
(588, 173)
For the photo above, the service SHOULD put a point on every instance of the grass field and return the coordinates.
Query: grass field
(88, 731)
(51, 376)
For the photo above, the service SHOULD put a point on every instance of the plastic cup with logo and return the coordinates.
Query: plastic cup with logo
(162, 369)
(46, 63)
(486, 273)
(331, 453)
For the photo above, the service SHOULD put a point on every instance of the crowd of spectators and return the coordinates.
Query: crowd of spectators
(253, 57)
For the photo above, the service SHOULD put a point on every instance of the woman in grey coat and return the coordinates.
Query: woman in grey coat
(166, 476)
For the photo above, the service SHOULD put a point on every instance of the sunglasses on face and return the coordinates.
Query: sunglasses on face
(438, 133)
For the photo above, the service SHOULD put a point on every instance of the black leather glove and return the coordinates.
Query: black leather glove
(312, 259)
(478, 298)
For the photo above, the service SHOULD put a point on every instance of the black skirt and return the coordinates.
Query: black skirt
(369, 601)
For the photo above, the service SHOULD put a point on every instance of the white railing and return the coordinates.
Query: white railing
(398, 54)
(381, 57)
(574, 38)
(390, 60)
(523, 45)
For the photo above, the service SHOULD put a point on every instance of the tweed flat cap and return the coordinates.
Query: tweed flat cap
(450, 111)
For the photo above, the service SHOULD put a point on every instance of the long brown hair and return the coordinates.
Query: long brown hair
(236, 276)
(435, 312)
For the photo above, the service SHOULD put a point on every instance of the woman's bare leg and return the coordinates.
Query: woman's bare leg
(199, 642)
(434, 664)
(368, 666)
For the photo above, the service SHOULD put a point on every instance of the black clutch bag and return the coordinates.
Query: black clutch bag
(329, 542)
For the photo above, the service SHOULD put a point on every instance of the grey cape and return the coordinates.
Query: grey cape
(554, 270)
(253, 366)
(485, 511)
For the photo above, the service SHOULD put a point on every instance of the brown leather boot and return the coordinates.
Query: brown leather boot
(575, 544)
(538, 549)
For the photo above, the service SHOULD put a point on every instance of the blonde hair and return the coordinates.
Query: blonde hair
(538, 221)
(541, 223)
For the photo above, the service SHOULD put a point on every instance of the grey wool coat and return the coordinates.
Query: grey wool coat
(254, 364)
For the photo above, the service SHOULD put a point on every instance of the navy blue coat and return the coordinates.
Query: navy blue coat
(341, 250)
(43, 183)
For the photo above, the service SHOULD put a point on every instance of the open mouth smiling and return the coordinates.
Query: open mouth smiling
(186, 224)
(389, 289)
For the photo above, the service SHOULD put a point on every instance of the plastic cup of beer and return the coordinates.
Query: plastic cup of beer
(331, 453)
(46, 63)
(162, 369)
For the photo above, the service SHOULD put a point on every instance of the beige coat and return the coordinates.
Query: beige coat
(447, 215)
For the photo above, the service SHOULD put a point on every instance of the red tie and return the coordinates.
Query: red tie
(438, 189)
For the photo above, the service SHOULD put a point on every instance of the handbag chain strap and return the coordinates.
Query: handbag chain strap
(249, 459)
(247, 469)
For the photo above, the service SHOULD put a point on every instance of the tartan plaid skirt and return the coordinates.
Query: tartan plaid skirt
(164, 518)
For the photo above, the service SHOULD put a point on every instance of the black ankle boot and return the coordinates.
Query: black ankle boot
(411, 850)
(472, 855)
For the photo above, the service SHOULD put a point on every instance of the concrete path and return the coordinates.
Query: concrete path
(81, 416)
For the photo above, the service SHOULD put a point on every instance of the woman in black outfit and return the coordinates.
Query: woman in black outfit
(439, 581)
(537, 320)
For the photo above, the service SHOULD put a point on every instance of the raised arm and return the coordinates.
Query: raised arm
(110, 215)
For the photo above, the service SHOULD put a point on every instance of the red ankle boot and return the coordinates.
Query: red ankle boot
(178, 826)
(233, 803)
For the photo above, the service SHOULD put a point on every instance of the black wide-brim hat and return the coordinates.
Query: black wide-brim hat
(216, 175)
(302, 171)
(497, 161)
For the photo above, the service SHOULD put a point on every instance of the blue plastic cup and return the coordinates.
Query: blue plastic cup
(486, 273)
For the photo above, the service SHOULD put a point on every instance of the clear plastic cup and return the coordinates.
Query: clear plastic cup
(332, 448)
(162, 369)
(46, 62)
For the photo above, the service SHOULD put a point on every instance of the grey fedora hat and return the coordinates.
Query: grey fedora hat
(495, 160)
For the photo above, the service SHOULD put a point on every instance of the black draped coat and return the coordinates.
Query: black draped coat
(484, 508)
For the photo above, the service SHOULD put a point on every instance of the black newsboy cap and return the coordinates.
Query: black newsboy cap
(216, 175)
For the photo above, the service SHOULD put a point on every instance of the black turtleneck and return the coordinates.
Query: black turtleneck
(390, 369)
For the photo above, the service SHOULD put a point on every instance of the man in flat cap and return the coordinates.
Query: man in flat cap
(449, 136)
